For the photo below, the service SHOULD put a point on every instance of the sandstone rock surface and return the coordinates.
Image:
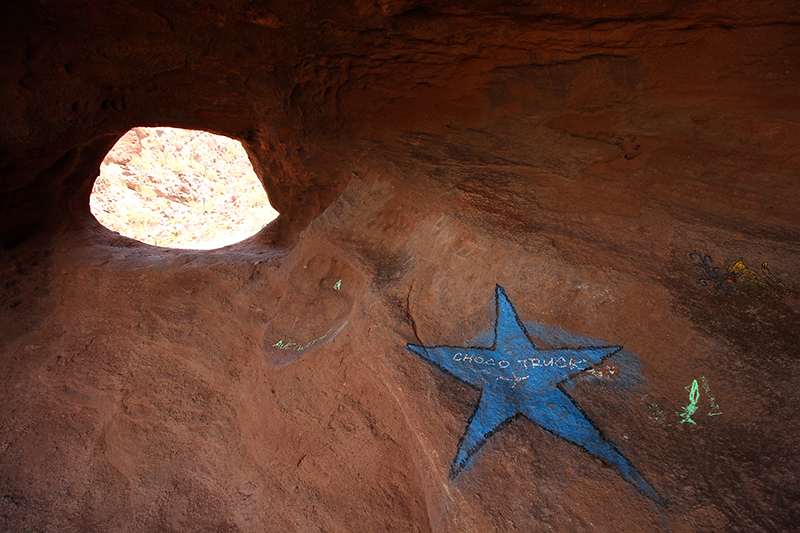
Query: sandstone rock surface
(603, 162)
(180, 189)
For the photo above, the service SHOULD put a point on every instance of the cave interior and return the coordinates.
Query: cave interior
(609, 182)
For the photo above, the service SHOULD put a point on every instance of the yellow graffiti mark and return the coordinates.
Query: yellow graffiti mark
(747, 282)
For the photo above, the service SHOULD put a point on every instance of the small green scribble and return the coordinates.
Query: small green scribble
(338, 285)
(283, 345)
(659, 415)
(299, 347)
(715, 410)
(656, 413)
(689, 410)
(407, 262)
(624, 436)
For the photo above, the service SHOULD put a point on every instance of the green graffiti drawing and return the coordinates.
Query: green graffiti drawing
(711, 400)
(657, 414)
(281, 345)
(689, 410)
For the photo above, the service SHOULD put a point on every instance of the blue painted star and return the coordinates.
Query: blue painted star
(516, 378)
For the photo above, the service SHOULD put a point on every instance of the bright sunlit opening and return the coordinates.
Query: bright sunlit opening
(180, 189)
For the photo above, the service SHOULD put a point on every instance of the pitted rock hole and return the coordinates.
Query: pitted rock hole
(180, 188)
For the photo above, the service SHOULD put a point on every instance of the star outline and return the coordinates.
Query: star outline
(457, 467)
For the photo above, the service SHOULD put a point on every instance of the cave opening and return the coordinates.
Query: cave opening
(177, 188)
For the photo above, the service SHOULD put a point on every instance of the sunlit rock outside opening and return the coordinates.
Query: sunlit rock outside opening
(178, 188)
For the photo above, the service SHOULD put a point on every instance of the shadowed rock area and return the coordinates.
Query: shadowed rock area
(600, 198)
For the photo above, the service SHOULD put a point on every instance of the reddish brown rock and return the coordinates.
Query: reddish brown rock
(129, 144)
(420, 154)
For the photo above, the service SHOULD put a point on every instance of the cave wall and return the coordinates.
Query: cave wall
(621, 170)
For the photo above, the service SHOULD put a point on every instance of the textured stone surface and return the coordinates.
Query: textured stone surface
(420, 154)
(179, 188)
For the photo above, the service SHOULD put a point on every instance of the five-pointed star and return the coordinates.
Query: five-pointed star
(516, 378)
